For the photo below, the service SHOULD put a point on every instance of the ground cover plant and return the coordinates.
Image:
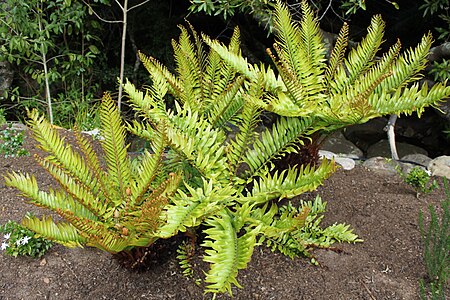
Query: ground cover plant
(214, 140)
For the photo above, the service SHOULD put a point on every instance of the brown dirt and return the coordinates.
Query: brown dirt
(387, 265)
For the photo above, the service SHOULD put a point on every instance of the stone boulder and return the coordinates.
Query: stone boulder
(337, 143)
(382, 148)
(440, 166)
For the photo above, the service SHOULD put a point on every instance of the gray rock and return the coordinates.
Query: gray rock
(381, 148)
(364, 135)
(345, 162)
(440, 166)
(337, 143)
(381, 165)
(420, 159)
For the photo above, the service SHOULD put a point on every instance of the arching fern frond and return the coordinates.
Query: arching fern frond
(291, 182)
(61, 233)
(226, 252)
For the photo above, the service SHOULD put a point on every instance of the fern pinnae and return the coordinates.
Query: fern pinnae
(62, 233)
(52, 199)
(312, 42)
(289, 40)
(61, 153)
(408, 67)
(361, 57)
(276, 142)
(99, 185)
(78, 190)
(337, 54)
(227, 105)
(156, 69)
(148, 167)
(115, 150)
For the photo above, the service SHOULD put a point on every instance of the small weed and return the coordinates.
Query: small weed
(19, 240)
(12, 142)
(419, 179)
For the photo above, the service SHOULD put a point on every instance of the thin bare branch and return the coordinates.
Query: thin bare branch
(137, 5)
(98, 16)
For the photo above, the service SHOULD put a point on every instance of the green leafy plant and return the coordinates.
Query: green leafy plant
(231, 187)
(19, 240)
(342, 90)
(2, 116)
(436, 242)
(419, 179)
(11, 143)
(441, 70)
(116, 208)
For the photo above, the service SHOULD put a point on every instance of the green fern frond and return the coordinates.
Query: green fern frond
(59, 151)
(281, 139)
(188, 69)
(408, 66)
(147, 169)
(337, 55)
(77, 190)
(158, 70)
(227, 253)
(52, 200)
(241, 65)
(291, 182)
(411, 99)
(62, 233)
(361, 58)
(244, 138)
(200, 144)
(113, 144)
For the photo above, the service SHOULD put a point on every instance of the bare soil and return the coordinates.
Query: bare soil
(387, 265)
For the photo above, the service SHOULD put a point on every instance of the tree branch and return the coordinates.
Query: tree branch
(137, 5)
(98, 16)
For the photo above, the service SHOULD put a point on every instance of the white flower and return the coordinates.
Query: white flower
(4, 246)
(19, 242)
(25, 240)
(7, 236)
(428, 172)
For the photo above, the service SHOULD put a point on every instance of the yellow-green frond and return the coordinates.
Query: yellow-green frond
(62, 233)
(274, 143)
(337, 55)
(227, 252)
(115, 149)
(52, 200)
(292, 182)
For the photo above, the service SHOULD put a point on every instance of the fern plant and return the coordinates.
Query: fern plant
(215, 136)
(114, 204)
(344, 90)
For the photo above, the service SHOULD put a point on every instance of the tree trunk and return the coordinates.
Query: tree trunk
(122, 51)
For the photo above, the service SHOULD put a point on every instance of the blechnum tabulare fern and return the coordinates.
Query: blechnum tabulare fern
(219, 149)
(114, 208)
(232, 187)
